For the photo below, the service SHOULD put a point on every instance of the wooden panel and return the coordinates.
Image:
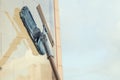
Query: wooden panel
(0, 44)
(57, 38)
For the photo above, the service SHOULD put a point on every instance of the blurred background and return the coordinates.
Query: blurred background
(90, 33)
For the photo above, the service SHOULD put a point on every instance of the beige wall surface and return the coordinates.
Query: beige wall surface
(19, 59)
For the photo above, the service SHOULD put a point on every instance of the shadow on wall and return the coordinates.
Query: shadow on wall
(21, 34)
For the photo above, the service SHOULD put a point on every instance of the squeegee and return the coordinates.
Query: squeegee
(39, 38)
(50, 57)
